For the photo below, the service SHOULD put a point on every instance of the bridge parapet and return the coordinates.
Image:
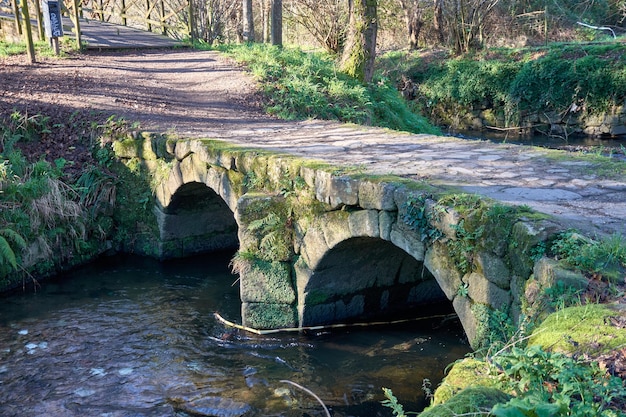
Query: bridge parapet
(320, 244)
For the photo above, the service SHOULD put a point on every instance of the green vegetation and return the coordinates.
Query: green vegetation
(571, 79)
(58, 214)
(42, 48)
(300, 85)
(604, 258)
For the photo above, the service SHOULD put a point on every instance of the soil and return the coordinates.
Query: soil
(179, 91)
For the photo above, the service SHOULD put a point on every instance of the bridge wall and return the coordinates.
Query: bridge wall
(318, 247)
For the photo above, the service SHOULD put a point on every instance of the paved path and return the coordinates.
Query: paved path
(565, 187)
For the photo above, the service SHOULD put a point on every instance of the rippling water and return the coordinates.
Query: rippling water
(133, 337)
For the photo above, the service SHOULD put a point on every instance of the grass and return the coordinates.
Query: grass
(308, 85)
(42, 48)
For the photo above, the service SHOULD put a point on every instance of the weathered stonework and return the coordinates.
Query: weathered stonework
(352, 255)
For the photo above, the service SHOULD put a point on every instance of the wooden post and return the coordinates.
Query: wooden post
(124, 21)
(18, 19)
(545, 23)
(163, 29)
(40, 27)
(148, 15)
(28, 34)
(77, 12)
(101, 6)
(192, 35)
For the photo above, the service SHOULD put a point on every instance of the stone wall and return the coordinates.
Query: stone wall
(611, 124)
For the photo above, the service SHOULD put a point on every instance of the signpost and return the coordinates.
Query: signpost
(52, 22)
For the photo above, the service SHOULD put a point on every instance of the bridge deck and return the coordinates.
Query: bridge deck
(102, 35)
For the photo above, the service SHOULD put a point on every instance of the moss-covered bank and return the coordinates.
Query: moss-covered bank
(559, 89)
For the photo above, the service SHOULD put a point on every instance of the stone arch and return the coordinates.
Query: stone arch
(364, 278)
(195, 220)
(384, 272)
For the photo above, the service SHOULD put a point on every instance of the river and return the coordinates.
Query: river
(129, 337)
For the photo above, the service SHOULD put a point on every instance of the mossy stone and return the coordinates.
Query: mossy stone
(582, 329)
(463, 374)
(470, 400)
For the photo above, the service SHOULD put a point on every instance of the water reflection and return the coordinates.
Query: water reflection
(134, 337)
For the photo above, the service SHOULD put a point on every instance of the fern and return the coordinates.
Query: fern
(9, 239)
(392, 402)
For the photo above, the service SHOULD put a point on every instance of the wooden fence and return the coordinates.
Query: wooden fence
(172, 18)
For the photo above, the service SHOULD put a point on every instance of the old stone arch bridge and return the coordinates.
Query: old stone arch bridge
(319, 244)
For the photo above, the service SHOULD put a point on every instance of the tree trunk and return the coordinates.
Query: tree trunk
(277, 23)
(360, 50)
(438, 19)
(248, 21)
(265, 6)
(412, 19)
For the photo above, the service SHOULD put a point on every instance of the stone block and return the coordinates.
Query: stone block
(525, 235)
(336, 227)
(549, 274)
(482, 291)
(193, 170)
(463, 308)
(268, 316)
(377, 196)
(313, 247)
(183, 149)
(308, 174)
(439, 263)
(364, 223)
(386, 220)
(494, 269)
(406, 239)
(214, 178)
(204, 151)
(175, 179)
(343, 191)
(267, 282)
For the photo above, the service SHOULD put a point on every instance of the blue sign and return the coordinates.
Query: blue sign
(52, 19)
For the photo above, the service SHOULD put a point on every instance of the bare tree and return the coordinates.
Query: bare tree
(324, 20)
(248, 21)
(412, 10)
(465, 20)
(360, 51)
(265, 7)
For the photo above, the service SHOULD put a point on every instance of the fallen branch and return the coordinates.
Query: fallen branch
(308, 391)
(597, 28)
(324, 327)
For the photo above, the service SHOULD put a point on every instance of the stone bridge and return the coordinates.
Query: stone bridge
(320, 244)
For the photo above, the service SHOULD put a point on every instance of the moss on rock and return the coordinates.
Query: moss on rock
(583, 329)
(470, 401)
(466, 373)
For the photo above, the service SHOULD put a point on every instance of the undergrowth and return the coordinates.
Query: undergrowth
(587, 79)
(301, 85)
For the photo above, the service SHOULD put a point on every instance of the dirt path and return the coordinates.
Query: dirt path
(200, 94)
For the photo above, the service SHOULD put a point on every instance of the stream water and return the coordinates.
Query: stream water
(129, 336)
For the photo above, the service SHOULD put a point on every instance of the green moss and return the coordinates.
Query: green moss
(470, 401)
(582, 329)
(465, 373)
